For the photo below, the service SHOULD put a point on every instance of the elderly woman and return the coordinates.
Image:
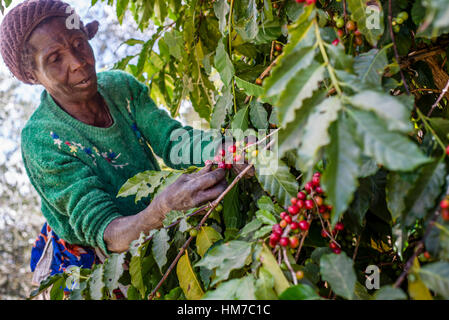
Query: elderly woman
(89, 135)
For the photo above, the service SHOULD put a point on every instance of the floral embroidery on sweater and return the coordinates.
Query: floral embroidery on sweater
(111, 157)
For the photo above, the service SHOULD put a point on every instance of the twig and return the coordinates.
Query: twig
(446, 88)
(356, 248)
(309, 221)
(287, 263)
(395, 47)
(213, 205)
(261, 140)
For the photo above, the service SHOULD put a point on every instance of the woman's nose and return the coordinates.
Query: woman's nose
(76, 61)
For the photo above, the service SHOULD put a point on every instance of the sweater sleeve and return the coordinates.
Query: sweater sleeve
(77, 201)
(179, 146)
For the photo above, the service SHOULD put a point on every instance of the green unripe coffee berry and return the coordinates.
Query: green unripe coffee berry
(396, 29)
(403, 15)
(340, 23)
(219, 208)
(193, 232)
(399, 20)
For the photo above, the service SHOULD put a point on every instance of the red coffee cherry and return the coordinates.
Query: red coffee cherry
(339, 226)
(284, 241)
(444, 204)
(333, 245)
(294, 242)
(309, 204)
(302, 195)
(277, 229)
(294, 209)
(288, 219)
(283, 224)
(283, 214)
(336, 250)
(294, 225)
(303, 225)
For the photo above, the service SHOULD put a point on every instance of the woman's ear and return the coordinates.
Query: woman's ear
(92, 29)
(31, 77)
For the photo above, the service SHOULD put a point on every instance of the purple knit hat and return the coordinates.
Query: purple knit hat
(19, 23)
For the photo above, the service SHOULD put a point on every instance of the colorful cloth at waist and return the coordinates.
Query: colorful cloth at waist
(64, 254)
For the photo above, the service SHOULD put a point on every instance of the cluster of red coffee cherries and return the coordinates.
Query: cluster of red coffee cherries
(240, 152)
(297, 218)
(307, 2)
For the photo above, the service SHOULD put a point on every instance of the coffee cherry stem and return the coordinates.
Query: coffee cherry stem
(287, 263)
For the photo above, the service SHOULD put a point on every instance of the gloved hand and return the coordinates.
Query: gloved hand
(189, 191)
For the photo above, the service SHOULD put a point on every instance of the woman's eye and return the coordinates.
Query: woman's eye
(78, 44)
(54, 58)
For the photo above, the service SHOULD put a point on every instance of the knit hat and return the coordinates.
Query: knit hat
(20, 22)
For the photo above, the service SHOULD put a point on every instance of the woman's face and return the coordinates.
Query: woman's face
(65, 63)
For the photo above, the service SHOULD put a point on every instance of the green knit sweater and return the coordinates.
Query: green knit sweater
(77, 169)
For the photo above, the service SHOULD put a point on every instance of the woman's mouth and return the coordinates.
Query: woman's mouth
(85, 83)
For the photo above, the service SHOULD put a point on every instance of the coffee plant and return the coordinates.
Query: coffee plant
(351, 98)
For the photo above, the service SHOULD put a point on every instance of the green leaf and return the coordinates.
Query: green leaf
(291, 135)
(305, 83)
(422, 197)
(221, 9)
(240, 120)
(251, 227)
(235, 289)
(246, 26)
(224, 64)
(57, 291)
(206, 237)
(398, 186)
(390, 149)
(265, 203)
(226, 257)
(300, 292)
(337, 269)
(369, 17)
(113, 270)
(370, 66)
(441, 128)
(316, 133)
(266, 217)
(96, 284)
(187, 279)
(262, 232)
(340, 179)
(172, 217)
(387, 107)
(268, 261)
(222, 108)
(264, 286)
(276, 178)
(258, 115)
(390, 293)
(160, 247)
(138, 185)
(135, 271)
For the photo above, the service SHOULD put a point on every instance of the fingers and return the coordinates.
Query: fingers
(209, 179)
(212, 193)
(207, 168)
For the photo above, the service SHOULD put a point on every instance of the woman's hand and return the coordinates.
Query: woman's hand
(188, 191)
